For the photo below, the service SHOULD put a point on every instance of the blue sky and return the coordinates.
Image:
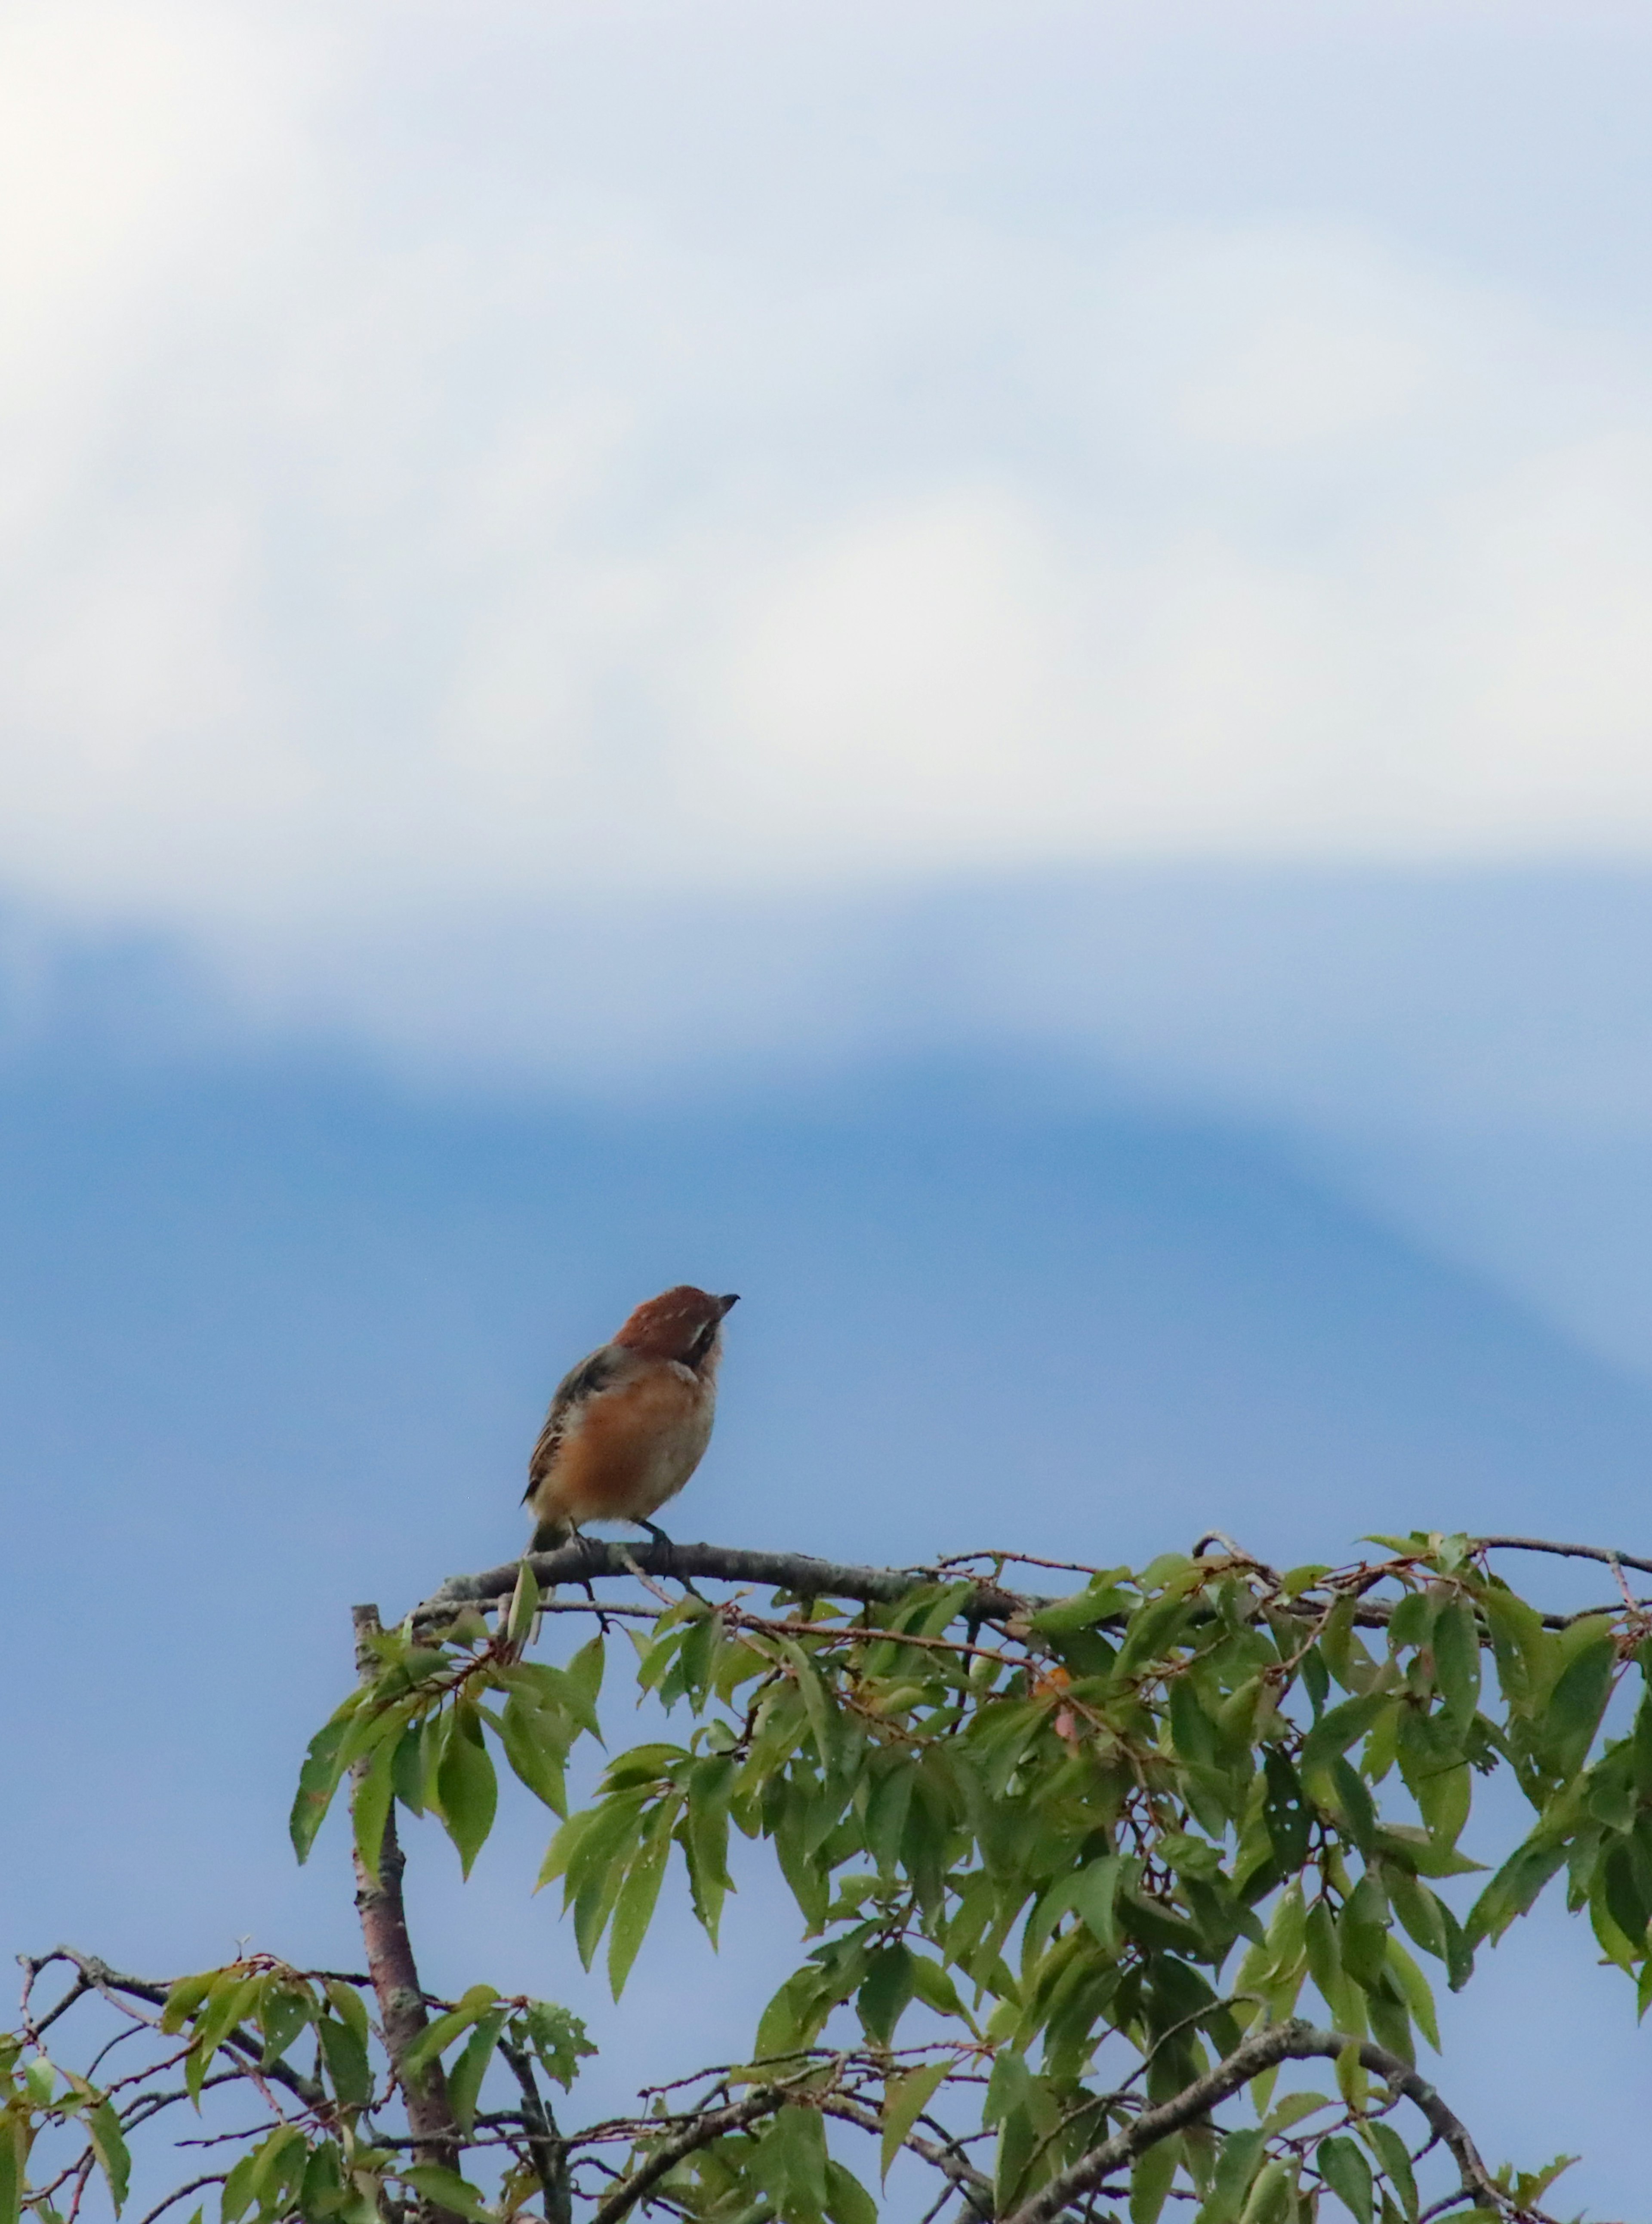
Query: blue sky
(981, 671)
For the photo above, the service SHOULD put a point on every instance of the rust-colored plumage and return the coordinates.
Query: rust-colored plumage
(630, 1423)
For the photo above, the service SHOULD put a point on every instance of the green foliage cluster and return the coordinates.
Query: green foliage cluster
(1056, 1864)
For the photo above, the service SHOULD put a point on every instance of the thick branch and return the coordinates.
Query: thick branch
(393, 1972)
(587, 1559)
(1285, 2042)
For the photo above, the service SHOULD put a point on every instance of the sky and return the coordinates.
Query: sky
(981, 670)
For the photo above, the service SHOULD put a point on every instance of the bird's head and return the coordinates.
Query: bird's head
(685, 1325)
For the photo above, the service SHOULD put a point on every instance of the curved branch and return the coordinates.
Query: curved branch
(762, 2101)
(1561, 1551)
(1286, 2042)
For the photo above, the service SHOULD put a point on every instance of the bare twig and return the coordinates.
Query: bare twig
(1606, 1557)
(181, 2192)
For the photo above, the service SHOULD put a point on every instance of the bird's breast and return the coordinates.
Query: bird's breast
(632, 1447)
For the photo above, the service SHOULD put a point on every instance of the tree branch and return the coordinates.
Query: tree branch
(1287, 2042)
(1561, 1551)
(393, 1972)
(545, 2143)
(96, 1975)
(585, 1559)
(762, 2101)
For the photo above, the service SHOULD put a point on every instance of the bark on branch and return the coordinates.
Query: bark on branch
(589, 1560)
(1287, 2042)
(395, 1973)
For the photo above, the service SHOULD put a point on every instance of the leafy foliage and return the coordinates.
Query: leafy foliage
(1057, 1861)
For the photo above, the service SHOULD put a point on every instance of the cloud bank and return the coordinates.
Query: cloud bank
(439, 482)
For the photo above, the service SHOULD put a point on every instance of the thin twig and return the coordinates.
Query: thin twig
(182, 2192)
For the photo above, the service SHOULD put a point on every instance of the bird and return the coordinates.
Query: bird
(629, 1424)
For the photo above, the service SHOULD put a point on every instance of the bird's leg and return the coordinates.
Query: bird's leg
(576, 1533)
(660, 1538)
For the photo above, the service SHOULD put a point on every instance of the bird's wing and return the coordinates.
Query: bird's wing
(587, 1380)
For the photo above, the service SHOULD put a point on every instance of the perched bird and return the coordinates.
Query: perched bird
(629, 1426)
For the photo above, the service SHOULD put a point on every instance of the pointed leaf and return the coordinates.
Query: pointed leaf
(466, 1784)
(905, 2100)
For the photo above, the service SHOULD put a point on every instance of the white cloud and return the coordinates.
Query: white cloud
(385, 535)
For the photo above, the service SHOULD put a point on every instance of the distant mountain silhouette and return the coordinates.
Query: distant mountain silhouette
(975, 1308)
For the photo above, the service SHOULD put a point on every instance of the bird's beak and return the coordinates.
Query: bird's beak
(727, 1303)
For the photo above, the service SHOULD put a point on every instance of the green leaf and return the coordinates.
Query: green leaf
(237, 2195)
(1339, 1728)
(1286, 1814)
(232, 1995)
(318, 1780)
(446, 2188)
(439, 2035)
(1152, 2175)
(466, 1783)
(1457, 1660)
(790, 2161)
(1513, 1889)
(1419, 1998)
(584, 1673)
(1271, 2196)
(886, 1991)
(524, 1606)
(1093, 1896)
(1292, 2109)
(186, 1997)
(1578, 1699)
(1348, 2174)
(285, 2009)
(558, 2038)
(279, 2159)
(321, 2187)
(847, 2200)
(639, 1896)
(103, 2129)
(816, 1704)
(349, 2006)
(1082, 1610)
(464, 2078)
(14, 2162)
(370, 1806)
(347, 2063)
(905, 2100)
(535, 1746)
(1240, 2159)
(1391, 2151)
